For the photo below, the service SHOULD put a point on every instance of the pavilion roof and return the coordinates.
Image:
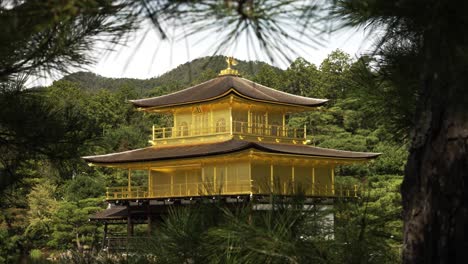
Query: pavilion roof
(225, 85)
(113, 213)
(159, 153)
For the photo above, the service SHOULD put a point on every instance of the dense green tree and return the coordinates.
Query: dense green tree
(71, 226)
(270, 77)
(42, 205)
(82, 187)
(368, 230)
(302, 78)
(334, 77)
(33, 138)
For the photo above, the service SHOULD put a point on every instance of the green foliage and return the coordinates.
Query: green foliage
(71, 226)
(370, 230)
(42, 207)
(184, 75)
(270, 77)
(82, 187)
(365, 230)
(9, 250)
(35, 254)
(43, 37)
(392, 160)
(301, 78)
(179, 238)
(32, 138)
(389, 103)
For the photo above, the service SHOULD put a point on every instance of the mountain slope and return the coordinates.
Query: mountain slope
(182, 76)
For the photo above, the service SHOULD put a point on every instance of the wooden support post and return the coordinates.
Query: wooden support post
(186, 183)
(293, 180)
(172, 184)
(249, 122)
(203, 190)
(271, 178)
(230, 121)
(211, 126)
(149, 183)
(284, 125)
(215, 191)
(192, 125)
(129, 189)
(226, 177)
(175, 131)
(313, 180)
(250, 177)
(104, 239)
(333, 180)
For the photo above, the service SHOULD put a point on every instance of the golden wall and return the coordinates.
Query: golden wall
(240, 178)
(201, 120)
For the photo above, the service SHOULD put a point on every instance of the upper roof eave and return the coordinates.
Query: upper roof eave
(168, 107)
(223, 85)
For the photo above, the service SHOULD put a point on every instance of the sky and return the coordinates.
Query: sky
(145, 55)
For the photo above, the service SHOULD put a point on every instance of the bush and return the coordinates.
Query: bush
(35, 254)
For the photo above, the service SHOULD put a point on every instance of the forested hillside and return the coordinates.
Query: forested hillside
(182, 76)
(45, 207)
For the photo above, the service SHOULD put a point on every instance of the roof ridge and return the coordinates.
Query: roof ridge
(283, 92)
(257, 84)
(173, 93)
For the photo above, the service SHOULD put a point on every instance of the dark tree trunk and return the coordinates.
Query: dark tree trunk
(435, 195)
(435, 187)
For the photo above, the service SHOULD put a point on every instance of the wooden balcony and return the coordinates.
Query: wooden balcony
(239, 128)
(165, 191)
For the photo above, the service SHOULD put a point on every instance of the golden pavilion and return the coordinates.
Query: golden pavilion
(230, 139)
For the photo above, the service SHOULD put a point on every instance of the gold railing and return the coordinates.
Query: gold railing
(309, 190)
(126, 192)
(238, 127)
(201, 189)
(179, 190)
(162, 133)
(228, 188)
(276, 131)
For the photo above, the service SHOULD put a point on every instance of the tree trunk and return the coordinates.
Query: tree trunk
(435, 196)
(435, 187)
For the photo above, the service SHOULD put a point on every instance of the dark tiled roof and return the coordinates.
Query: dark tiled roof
(218, 148)
(222, 86)
(113, 213)
(314, 151)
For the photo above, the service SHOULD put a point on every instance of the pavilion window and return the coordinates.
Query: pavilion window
(182, 129)
(221, 125)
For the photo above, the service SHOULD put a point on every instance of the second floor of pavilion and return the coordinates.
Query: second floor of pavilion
(229, 118)
(228, 107)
